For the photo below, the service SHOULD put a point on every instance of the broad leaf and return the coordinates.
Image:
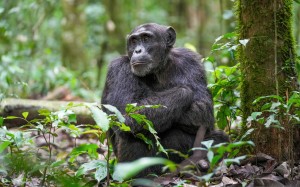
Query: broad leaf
(116, 111)
(206, 177)
(25, 114)
(244, 42)
(4, 145)
(235, 160)
(125, 171)
(100, 117)
(210, 155)
(99, 165)
(208, 143)
(101, 173)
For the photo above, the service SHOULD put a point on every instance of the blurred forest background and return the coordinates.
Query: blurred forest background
(46, 44)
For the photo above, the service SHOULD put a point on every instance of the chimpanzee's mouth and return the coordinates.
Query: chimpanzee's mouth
(137, 63)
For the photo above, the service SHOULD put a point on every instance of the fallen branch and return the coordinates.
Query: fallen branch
(15, 107)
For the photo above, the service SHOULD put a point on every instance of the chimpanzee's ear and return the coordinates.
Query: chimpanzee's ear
(171, 36)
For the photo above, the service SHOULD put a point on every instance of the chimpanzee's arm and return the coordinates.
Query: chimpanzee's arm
(174, 102)
(122, 88)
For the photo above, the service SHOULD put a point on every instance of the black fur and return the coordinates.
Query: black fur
(154, 72)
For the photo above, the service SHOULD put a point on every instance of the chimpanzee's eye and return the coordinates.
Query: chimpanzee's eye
(133, 41)
(145, 38)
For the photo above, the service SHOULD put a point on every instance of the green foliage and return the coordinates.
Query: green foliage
(60, 168)
(216, 153)
(224, 81)
(132, 111)
(278, 110)
(20, 153)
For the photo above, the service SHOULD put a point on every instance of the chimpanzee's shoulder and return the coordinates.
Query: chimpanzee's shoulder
(186, 56)
(119, 62)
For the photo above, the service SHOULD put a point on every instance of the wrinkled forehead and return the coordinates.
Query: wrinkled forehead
(140, 30)
(153, 28)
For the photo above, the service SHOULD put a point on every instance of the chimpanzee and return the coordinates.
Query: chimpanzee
(153, 72)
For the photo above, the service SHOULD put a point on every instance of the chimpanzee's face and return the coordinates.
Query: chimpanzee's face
(148, 46)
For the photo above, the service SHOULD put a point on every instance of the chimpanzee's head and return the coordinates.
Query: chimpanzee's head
(148, 47)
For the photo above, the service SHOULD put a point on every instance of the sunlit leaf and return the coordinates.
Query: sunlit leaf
(130, 107)
(11, 117)
(116, 111)
(275, 105)
(254, 115)
(249, 131)
(125, 171)
(100, 165)
(1, 120)
(244, 42)
(206, 177)
(57, 163)
(101, 172)
(25, 114)
(210, 155)
(4, 145)
(234, 160)
(208, 143)
(100, 117)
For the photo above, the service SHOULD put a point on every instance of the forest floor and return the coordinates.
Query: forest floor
(259, 170)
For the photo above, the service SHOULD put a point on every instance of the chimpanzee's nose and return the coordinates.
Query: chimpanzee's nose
(138, 50)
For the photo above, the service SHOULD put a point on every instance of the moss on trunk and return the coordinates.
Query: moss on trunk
(267, 65)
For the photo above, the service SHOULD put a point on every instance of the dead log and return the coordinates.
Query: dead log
(15, 107)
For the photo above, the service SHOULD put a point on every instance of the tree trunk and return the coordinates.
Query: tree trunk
(74, 35)
(267, 65)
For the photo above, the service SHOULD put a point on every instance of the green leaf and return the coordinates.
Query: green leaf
(123, 127)
(94, 164)
(11, 117)
(125, 171)
(57, 163)
(271, 120)
(1, 121)
(100, 117)
(208, 143)
(116, 111)
(254, 115)
(44, 112)
(219, 38)
(145, 139)
(4, 145)
(206, 177)
(90, 149)
(244, 42)
(72, 118)
(280, 99)
(235, 160)
(275, 105)
(130, 107)
(101, 173)
(249, 131)
(229, 35)
(210, 155)
(25, 114)
(139, 118)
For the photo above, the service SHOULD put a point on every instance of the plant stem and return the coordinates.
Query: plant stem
(107, 160)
